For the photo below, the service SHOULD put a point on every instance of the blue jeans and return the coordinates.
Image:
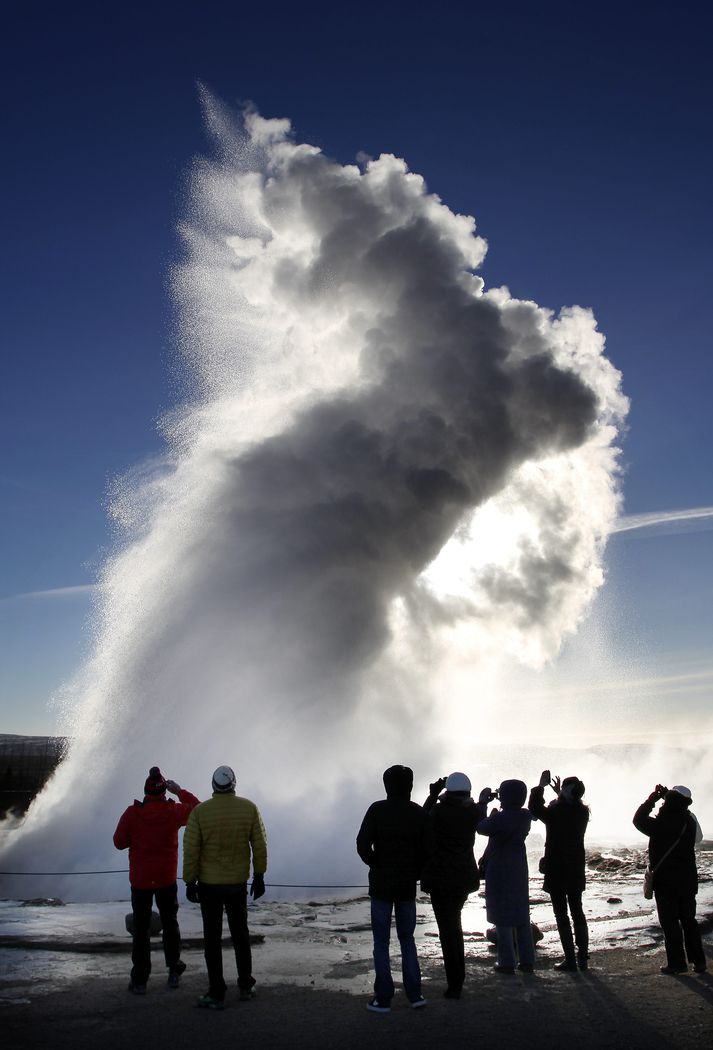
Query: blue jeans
(508, 936)
(381, 928)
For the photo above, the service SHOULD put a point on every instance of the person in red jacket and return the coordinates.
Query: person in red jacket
(149, 830)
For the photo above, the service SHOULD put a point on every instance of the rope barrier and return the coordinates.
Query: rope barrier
(269, 885)
(114, 871)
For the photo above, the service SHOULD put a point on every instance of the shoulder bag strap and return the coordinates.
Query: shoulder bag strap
(671, 848)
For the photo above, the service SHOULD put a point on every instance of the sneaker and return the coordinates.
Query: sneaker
(699, 968)
(416, 1004)
(671, 971)
(503, 969)
(174, 979)
(207, 1002)
(566, 966)
(526, 967)
(452, 993)
(246, 994)
(378, 1008)
(583, 960)
(136, 988)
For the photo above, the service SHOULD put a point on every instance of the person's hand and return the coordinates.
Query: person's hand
(257, 889)
(556, 785)
(545, 778)
(173, 787)
(437, 787)
(486, 795)
(192, 892)
(661, 791)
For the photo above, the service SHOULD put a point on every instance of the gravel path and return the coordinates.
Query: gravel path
(622, 1002)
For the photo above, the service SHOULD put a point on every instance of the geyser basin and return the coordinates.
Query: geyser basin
(386, 475)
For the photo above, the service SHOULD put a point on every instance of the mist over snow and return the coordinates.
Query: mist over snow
(387, 481)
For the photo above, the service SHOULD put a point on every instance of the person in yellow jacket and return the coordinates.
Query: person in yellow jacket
(220, 836)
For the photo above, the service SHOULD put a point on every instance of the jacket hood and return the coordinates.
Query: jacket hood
(513, 794)
(398, 781)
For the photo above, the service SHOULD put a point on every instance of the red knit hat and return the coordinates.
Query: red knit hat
(155, 783)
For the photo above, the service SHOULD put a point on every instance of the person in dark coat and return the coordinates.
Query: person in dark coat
(566, 821)
(451, 872)
(392, 840)
(507, 890)
(674, 828)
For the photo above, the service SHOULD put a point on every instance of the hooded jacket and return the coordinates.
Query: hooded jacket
(393, 841)
(149, 830)
(507, 890)
(566, 823)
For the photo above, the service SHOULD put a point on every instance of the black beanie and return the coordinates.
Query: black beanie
(155, 783)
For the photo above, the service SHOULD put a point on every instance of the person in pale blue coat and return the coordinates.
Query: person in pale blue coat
(507, 889)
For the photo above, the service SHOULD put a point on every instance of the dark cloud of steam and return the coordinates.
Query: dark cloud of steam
(340, 512)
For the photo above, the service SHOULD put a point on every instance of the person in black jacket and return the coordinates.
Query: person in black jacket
(566, 820)
(673, 833)
(392, 840)
(451, 872)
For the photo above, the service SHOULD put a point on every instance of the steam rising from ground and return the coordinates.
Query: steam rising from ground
(387, 478)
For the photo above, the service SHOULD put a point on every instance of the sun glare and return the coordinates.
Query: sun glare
(493, 536)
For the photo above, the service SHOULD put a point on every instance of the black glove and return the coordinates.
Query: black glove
(437, 787)
(257, 889)
(192, 892)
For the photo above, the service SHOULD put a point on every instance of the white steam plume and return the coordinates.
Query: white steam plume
(385, 474)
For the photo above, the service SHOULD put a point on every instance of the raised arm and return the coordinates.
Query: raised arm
(643, 821)
(434, 791)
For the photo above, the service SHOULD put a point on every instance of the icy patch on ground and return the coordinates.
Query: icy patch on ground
(324, 944)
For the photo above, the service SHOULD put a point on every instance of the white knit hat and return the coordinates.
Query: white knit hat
(458, 782)
(224, 779)
(681, 790)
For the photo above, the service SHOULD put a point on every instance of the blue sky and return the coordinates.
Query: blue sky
(578, 136)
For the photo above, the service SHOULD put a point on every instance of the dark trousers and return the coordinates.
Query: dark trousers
(234, 900)
(447, 910)
(167, 904)
(560, 901)
(677, 915)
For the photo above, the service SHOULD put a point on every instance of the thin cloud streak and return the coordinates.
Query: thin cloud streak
(75, 591)
(665, 518)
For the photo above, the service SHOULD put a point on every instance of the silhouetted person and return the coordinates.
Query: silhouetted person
(392, 840)
(507, 890)
(673, 834)
(221, 835)
(149, 829)
(451, 871)
(565, 820)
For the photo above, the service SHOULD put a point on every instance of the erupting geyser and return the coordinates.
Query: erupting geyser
(382, 463)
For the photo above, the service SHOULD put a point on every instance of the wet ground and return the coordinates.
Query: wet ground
(64, 971)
